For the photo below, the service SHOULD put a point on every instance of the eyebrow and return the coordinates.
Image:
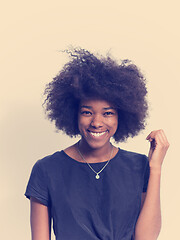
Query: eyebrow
(89, 107)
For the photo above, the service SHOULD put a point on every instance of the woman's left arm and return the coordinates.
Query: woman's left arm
(149, 222)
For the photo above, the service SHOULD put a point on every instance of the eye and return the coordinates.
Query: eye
(109, 113)
(86, 113)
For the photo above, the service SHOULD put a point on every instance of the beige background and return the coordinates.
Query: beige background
(32, 33)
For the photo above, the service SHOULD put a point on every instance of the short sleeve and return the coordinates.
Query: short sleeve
(37, 184)
(146, 174)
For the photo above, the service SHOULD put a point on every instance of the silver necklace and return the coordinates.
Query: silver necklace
(97, 173)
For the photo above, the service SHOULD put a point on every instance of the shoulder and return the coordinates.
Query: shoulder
(50, 160)
(72, 152)
(130, 154)
(133, 159)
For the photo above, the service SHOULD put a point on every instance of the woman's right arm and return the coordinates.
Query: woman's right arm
(40, 223)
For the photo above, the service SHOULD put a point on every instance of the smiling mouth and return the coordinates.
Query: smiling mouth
(97, 134)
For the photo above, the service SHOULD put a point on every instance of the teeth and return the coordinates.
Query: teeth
(97, 134)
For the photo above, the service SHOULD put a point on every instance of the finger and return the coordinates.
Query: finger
(160, 142)
(160, 138)
(153, 144)
(154, 134)
(164, 136)
(151, 135)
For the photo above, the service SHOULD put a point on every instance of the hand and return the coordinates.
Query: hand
(158, 148)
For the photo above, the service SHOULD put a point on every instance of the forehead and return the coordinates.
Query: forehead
(96, 103)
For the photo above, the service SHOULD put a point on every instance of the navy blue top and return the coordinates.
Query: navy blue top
(85, 208)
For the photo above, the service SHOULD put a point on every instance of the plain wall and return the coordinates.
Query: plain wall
(32, 33)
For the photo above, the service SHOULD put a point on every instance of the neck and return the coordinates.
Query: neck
(101, 154)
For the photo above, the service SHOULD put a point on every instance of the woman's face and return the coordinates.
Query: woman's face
(97, 121)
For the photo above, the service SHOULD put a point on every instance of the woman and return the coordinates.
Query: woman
(94, 190)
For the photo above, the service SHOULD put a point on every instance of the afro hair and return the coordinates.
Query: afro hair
(90, 76)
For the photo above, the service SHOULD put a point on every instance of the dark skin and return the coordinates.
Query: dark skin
(98, 121)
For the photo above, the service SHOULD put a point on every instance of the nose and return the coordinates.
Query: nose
(97, 121)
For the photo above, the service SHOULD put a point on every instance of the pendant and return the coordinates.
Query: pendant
(97, 176)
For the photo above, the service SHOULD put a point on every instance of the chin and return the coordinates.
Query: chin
(96, 144)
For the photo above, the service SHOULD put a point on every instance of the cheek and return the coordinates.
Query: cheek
(114, 124)
(79, 123)
(82, 123)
